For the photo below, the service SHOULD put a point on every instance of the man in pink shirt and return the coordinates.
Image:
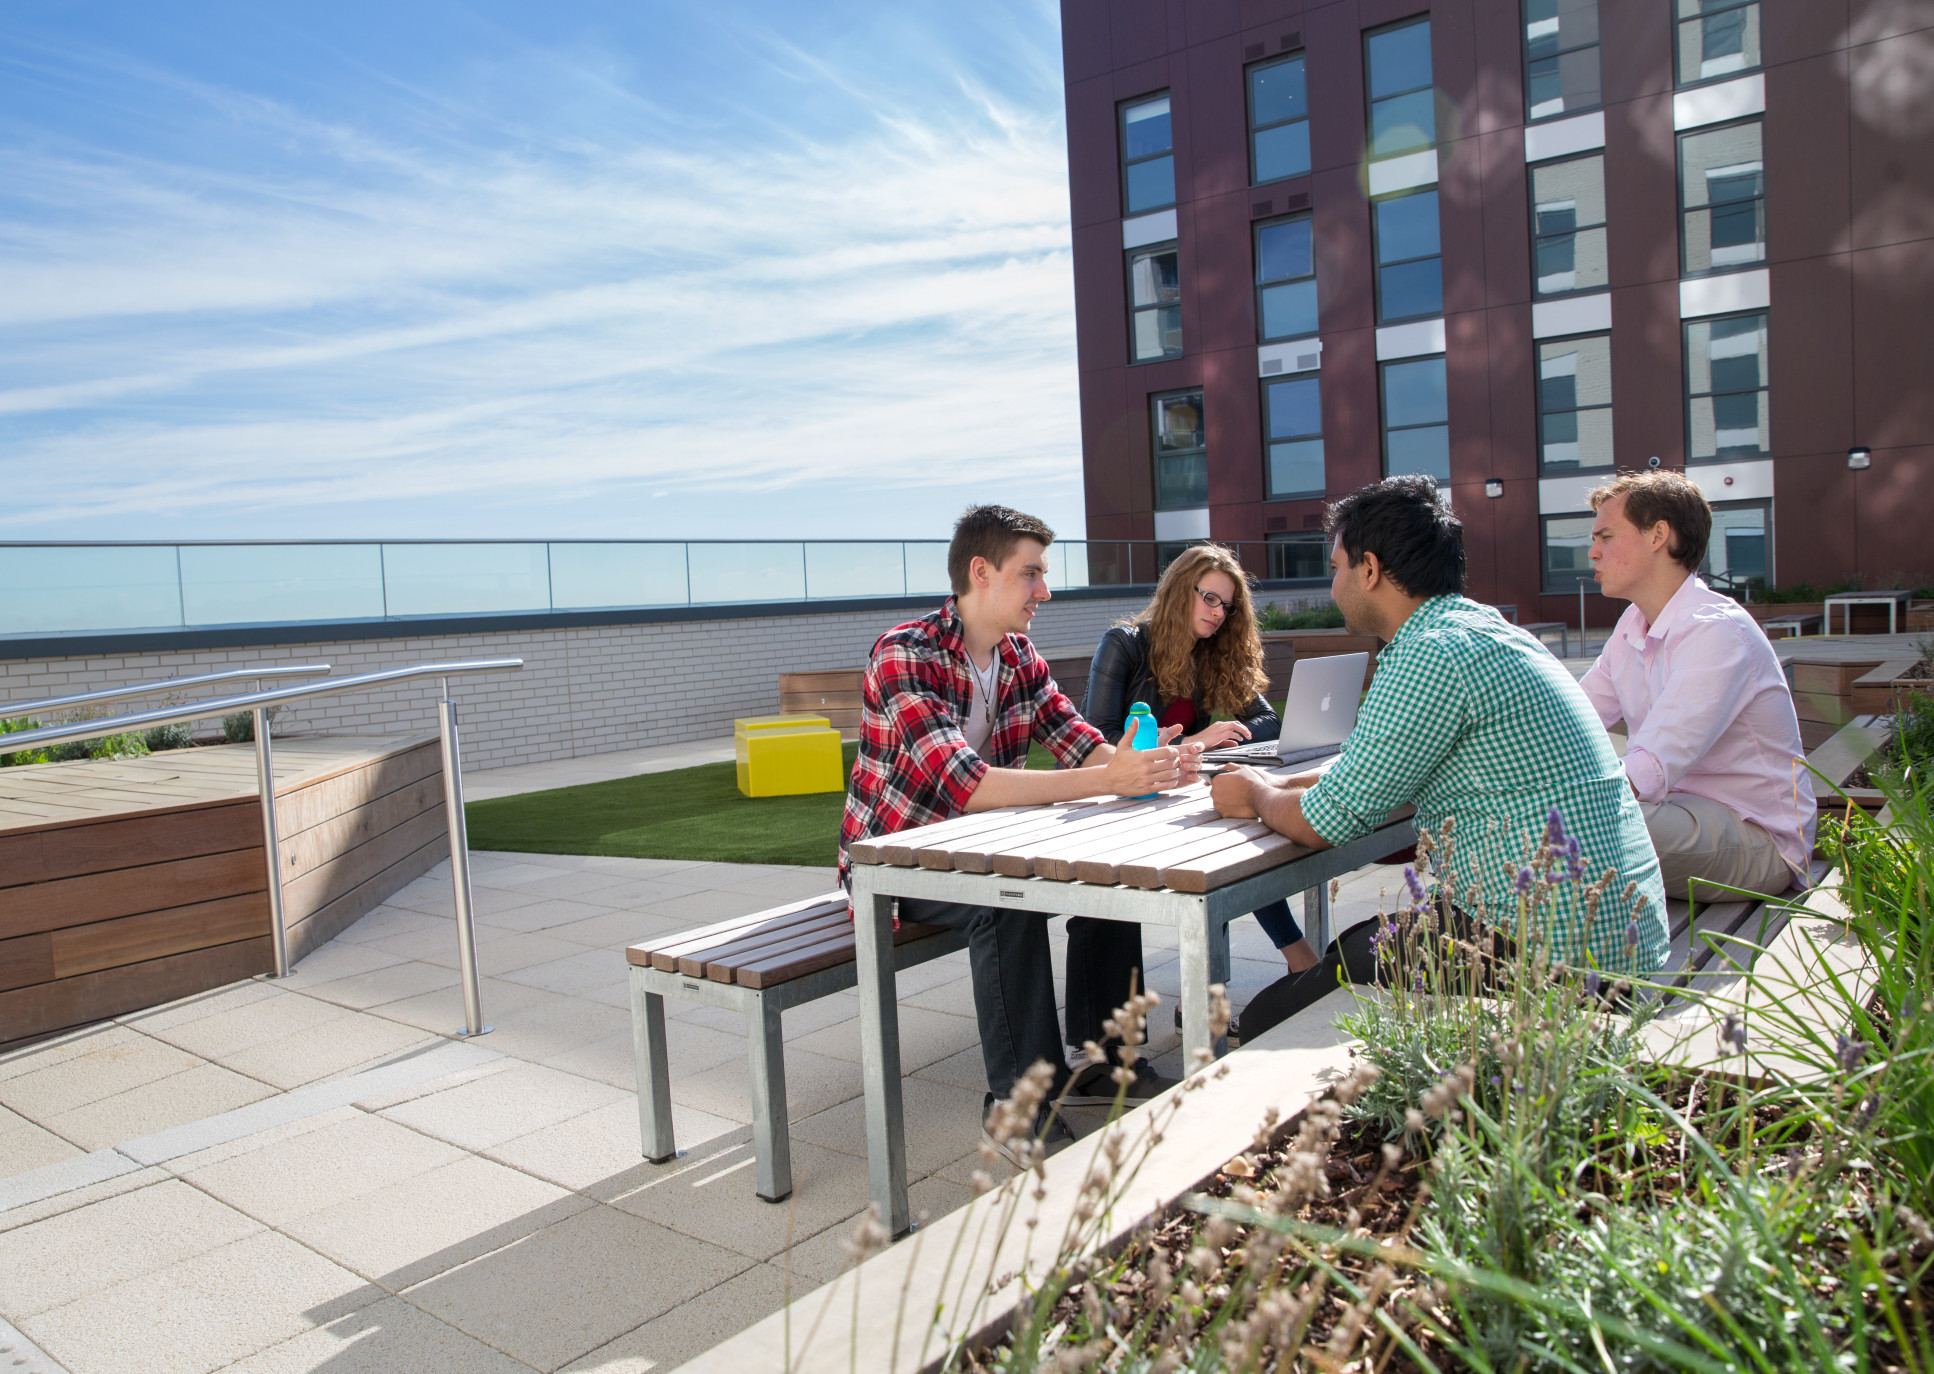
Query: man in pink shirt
(1714, 754)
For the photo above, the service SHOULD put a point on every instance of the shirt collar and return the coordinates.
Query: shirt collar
(1691, 591)
(1427, 614)
(951, 635)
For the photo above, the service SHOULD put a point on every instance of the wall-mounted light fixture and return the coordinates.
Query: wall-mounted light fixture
(1860, 457)
(1493, 487)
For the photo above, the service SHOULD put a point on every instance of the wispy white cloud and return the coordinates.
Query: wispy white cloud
(538, 320)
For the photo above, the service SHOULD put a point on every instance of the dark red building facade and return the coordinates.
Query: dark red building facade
(1517, 244)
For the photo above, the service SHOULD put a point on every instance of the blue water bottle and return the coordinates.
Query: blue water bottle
(1145, 733)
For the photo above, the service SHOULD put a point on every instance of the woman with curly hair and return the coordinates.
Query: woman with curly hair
(1193, 654)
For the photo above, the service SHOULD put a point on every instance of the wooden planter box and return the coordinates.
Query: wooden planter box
(1763, 612)
(1879, 690)
(132, 882)
(1835, 761)
(1823, 692)
(1920, 615)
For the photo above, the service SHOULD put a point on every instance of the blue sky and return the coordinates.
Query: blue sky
(613, 269)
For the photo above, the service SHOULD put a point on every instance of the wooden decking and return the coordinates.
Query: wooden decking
(126, 883)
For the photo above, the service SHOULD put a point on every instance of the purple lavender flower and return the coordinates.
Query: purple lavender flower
(1632, 935)
(1864, 1117)
(1555, 829)
(1524, 881)
(1848, 1052)
(1418, 894)
(1591, 982)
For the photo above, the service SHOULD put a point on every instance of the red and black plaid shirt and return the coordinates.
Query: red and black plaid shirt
(914, 766)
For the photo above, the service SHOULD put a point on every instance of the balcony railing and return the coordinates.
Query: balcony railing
(68, 588)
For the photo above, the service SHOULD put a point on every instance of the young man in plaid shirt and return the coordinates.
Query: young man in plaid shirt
(950, 703)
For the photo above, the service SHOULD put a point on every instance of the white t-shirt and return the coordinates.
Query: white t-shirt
(979, 725)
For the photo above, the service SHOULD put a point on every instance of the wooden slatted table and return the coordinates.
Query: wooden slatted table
(1167, 861)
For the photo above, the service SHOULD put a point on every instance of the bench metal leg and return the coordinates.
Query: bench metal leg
(886, 1142)
(1316, 917)
(654, 1074)
(771, 1135)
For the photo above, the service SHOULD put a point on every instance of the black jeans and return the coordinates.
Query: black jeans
(1352, 957)
(1013, 972)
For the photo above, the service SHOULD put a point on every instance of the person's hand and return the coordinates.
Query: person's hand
(1234, 793)
(1136, 772)
(1220, 733)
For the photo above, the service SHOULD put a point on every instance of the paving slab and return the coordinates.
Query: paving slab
(410, 1230)
(201, 1313)
(698, 1324)
(307, 1171)
(504, 1106)
(202, 1091)
(383, 1338)
(559, 1293)
(599, 1154)
(53, 1262)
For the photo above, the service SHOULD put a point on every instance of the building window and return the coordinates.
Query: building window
(1567, 543)
(1568, 225)
(1410, 268)
(1416, 430)
(1560, 57)
(1181, 450)
(1722, 199)
(1285, 279)
(1575, 404)
(1155, 298)
(1716, 38)
(1293, 413)
(1403, 111)
(1278, 120)
(1741, 546)
(1726, 400)
(1299, 557)
(1147, 155)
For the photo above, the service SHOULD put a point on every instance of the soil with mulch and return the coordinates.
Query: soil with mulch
(1382, 1201)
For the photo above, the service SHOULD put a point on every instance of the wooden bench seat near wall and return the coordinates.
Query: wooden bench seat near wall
(128, 883)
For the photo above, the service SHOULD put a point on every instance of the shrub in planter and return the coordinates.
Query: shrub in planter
(239, 727)
(24, 756)
(1274, 617)
(177, 736)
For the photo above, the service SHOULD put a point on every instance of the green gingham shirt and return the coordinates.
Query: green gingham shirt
(1471, 717)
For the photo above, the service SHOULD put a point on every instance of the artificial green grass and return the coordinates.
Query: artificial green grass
(688, 813)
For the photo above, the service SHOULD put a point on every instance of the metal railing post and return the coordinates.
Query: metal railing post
(446, 714)
(271, 841)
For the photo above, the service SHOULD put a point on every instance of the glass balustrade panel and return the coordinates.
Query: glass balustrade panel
(584, 576)
(466, 579)
(251, 584)
(54, 589)
(854, 570)
(927, 569)
(747, 572)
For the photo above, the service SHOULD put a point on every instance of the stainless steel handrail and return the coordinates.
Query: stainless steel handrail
(11, 710)
(259, 703)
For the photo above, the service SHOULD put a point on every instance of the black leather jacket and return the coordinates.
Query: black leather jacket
(1122, 675)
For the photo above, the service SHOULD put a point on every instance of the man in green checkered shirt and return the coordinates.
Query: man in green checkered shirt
(1469, 718)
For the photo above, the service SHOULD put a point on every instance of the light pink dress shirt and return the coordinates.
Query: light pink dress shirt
(1707, 711)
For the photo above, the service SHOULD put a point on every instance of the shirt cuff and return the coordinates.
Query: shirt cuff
(1328, 818)
(961, 776)
(1646, 774)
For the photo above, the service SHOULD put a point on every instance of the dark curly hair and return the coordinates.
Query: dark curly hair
(1411, 531)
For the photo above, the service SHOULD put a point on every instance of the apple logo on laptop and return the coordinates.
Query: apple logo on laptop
(1326, 702)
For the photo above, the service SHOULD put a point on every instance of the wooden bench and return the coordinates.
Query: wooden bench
(1790, 626)
(761, 965)
(1701, 932)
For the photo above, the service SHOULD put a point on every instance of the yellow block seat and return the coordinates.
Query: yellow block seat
(783, 756)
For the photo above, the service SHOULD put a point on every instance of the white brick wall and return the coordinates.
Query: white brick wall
(582, 691)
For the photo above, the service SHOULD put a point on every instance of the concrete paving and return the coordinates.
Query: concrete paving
(311, 1174)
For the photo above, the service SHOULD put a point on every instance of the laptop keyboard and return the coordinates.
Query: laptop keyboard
(1265, 753)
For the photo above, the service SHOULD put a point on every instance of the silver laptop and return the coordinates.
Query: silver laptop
(1317, 718)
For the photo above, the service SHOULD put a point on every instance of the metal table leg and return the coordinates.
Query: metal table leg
(1316, 917)
(886, 1146)
(654, 1071)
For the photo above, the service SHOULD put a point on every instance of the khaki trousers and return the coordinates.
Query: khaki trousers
(1697, 838)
